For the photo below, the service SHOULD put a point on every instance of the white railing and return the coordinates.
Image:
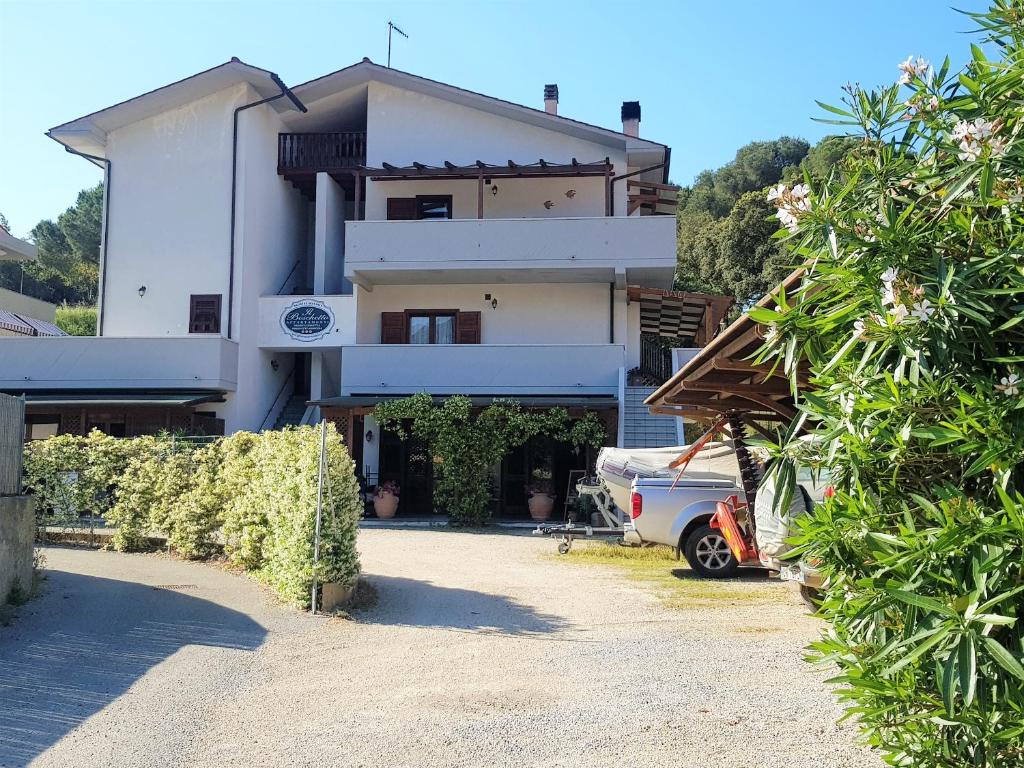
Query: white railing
(110, 362)
(482, 369)
(375, 248)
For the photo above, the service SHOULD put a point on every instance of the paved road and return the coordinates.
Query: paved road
(482, 650)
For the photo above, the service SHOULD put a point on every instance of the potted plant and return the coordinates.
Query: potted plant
(539, 498)
(385, 500)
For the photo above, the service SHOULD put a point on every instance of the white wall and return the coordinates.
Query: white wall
(405, 127)
(271, 233)
(169, 215)
(329, 248)
(561, 313)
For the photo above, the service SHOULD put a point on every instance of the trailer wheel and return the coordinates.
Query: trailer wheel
(563, 548)
(708, 553)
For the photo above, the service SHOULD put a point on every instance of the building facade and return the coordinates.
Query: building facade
(274, 254)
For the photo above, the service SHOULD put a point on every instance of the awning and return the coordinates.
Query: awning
(492, 171)
(123, 398)
(723, 378)
(691, 317)
(27, 326)
(535, 401)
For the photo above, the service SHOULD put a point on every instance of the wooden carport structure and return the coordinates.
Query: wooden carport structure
(723, 381)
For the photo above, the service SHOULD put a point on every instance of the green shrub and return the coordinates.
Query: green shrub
(76, 320)
(910, 322)
(255, 493)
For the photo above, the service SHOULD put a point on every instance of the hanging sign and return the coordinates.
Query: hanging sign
(307, 320)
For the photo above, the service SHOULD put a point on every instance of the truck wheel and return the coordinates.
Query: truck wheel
(708, 553)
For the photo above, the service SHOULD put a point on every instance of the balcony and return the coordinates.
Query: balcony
(299, 323)
(108, 362)
(482, 369)
(635, 250)
(303, 153)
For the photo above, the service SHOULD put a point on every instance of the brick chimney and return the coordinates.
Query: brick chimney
(631, 118)
(551, 99)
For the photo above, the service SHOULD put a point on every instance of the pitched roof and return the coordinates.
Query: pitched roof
(88, 133)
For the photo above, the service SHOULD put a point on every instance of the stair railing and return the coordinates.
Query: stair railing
(277, 406)
(655, 360)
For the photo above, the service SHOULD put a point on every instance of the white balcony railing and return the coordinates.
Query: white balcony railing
(482, 369)
(109, 362)
(577, 249)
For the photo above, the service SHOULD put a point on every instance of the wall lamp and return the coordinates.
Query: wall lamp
(369, 435)
(142, 291)
(492, 299)
(494, 190)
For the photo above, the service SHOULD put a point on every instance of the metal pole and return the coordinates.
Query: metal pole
(319, 511)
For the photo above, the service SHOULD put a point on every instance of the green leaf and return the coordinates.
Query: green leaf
(967, 666)
(920, 601)
(1003, 657)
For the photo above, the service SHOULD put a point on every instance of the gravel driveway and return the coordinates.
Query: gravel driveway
(482, 650)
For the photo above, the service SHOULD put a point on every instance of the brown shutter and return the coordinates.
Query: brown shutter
(467, 328)
(401, 208)
(392, 327)
(204, 313)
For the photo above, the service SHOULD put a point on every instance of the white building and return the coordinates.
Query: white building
(270, 254)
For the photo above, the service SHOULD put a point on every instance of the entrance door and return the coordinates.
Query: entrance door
(408, 462)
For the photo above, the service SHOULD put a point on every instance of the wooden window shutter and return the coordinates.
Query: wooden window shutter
(204, 313)
(467, 328)
(402, 208)
(392, 327)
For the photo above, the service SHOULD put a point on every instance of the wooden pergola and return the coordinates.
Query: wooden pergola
(692, 317)
(483, 172)
(723, 379)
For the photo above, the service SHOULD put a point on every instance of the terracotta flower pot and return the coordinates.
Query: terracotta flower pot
(541, 505)
(385, 504)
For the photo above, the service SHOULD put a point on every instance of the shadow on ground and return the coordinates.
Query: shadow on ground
(415, 603)
(748, 575)
(87, 641)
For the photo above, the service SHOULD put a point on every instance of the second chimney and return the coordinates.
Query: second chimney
(631, 118)
(551, 99)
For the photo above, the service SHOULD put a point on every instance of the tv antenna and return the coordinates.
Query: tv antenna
(392, 26)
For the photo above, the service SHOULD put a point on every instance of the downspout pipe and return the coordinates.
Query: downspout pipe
(107, 166)
(285, 93)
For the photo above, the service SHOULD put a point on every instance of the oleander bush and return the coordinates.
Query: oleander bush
(910, 326)
(254, 495)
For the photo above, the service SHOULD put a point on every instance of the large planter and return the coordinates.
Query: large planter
(385, 504)
(541, 505)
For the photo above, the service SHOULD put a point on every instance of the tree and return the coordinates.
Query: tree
(908, 323)
(726, 229)
(67, 269)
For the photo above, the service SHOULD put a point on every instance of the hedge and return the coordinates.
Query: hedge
(254, 495)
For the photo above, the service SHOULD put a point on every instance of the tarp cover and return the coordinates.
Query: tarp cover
(775, 527)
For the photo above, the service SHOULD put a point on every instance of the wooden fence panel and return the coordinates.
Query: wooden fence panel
(12, 443)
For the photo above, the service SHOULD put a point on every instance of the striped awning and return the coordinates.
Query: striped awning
(691, 317)
(27, 326)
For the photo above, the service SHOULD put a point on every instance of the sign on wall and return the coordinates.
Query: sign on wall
(307, 320)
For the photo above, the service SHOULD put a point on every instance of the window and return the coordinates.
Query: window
(204, 313)
(433, 206)
(39, 426)
(426, 207)
(431, 327)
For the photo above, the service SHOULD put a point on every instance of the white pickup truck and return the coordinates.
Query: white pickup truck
(658, 506)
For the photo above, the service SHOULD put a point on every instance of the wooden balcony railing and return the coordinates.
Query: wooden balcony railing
(315, 152)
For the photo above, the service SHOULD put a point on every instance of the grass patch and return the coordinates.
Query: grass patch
(675, 584)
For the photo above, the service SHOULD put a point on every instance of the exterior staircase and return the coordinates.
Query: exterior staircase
(292, 412)
(642, 429)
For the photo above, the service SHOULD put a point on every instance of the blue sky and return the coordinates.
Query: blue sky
(711, 76)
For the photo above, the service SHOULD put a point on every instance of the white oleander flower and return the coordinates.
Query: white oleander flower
(776, 193)
(923, 310)
(911, 69)
(1010, 385)
(962, 130)
(888, 295)
(891, 275)
(771, 335)
(969, 150)
(998, 145)
(899, 313)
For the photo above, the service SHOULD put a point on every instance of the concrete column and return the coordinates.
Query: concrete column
(329, 237)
